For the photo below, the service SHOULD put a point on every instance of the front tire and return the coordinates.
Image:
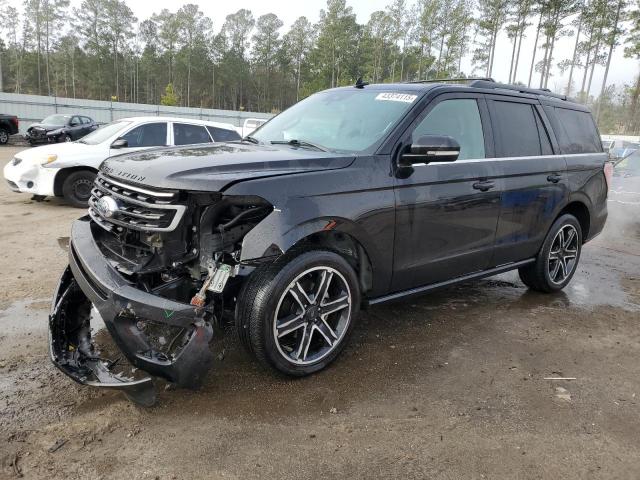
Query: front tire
(558, 258)
(77, 187)
(4, 136)
(296, 315)
(65, 138)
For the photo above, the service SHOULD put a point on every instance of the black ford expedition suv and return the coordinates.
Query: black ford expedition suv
(353, 196)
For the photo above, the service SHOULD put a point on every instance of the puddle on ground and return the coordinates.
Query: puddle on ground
(24, 316)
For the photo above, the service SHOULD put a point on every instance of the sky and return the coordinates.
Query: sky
(622, 70)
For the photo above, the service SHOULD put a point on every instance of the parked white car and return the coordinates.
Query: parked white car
(250, 125)
(69, 169)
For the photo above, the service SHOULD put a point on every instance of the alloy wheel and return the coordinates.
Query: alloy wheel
(4, 136)
(563, 254)
(312, 315)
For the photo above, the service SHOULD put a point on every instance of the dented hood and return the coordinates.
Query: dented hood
(214, 167)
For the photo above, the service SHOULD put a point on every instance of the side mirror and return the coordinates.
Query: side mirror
(73, 124)
(119, 143)
(431, 148)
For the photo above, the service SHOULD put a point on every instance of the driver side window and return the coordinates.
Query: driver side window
(148, 135)
(458, 118)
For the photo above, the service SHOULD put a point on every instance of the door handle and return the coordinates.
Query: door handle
(554, 178)
(484, 186)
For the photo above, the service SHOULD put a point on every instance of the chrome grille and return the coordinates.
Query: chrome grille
(138, 208)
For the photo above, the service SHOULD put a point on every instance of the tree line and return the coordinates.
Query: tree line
(100, 50)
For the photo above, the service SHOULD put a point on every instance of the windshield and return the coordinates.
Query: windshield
(104, 133)
(56, 120)
(344, 120)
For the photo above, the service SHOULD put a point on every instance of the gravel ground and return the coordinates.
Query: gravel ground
(448, 385)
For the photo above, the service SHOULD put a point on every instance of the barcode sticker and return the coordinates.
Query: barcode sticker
(396, 97)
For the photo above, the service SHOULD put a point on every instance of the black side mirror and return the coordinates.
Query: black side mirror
(119, 143)
(431, 148)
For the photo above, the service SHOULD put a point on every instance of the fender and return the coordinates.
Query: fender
(342, 200)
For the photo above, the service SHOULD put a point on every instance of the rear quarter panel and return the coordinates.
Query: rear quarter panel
(588, 185)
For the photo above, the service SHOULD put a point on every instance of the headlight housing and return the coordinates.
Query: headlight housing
(52, 157)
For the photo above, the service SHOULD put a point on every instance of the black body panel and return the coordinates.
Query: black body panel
(415, 227)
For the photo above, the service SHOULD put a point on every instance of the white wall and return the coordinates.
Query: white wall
(33, 108)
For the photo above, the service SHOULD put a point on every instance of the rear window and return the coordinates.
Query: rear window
(516, 130)
(222, 134)
(577, 132)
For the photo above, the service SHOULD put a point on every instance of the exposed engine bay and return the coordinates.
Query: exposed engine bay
(178, 264)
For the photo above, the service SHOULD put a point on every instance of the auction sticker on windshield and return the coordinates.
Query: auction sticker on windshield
(396, 97)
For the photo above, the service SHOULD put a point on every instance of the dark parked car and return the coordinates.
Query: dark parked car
(354, 196)
(8, 126)
(60, 128)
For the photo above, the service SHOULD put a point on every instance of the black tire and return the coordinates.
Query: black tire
(76, 188)
(4, 136)
(64, 138)
(264, 293)
(546, 274)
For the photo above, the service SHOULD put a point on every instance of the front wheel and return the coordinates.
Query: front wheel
(296, 314)
(558, 258)
(77, 187)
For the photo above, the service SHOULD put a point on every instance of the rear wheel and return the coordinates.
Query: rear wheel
(296, 315)
(77, 187)
(4, 136)
(558, 258)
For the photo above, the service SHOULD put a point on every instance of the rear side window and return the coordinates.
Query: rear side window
(577, 132)
(222, 134)
(516, 129)
(148, 135)
(185, 134)
(459, 119)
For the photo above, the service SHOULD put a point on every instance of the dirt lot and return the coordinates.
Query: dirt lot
(449, 385)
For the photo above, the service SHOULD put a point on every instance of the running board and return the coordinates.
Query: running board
(447, 283)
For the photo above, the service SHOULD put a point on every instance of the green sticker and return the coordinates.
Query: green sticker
(168, 313)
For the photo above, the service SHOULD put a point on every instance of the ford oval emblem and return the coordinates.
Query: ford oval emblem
(106, 206)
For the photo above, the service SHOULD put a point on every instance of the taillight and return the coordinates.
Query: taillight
(15, 122)
(608, 173)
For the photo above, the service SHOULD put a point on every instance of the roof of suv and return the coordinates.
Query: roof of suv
(486, 85)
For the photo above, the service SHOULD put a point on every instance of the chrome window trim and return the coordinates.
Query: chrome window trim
(502, 159)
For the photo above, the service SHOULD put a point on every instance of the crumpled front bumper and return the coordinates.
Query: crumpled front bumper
(90, 280)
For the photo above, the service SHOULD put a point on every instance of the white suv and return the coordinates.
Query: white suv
(69, 169)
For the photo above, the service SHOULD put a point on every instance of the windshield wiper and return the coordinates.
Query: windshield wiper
(251, 139)
(300, 143)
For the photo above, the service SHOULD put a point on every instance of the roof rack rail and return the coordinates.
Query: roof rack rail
(455, 79)
(480, 83)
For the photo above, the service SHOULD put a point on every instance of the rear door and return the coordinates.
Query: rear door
(446, 213)
(533, 174)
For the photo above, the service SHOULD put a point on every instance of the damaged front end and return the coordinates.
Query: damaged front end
(160, 268)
